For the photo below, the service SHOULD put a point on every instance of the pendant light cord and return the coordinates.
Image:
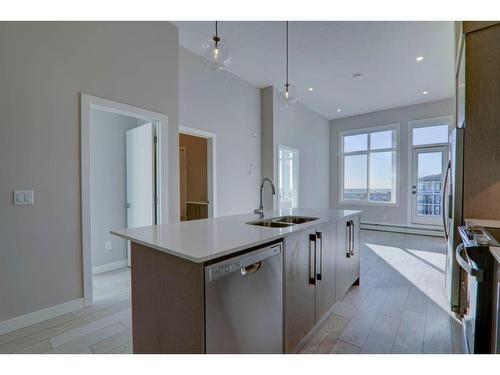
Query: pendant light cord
(216, 38)
(287, 55)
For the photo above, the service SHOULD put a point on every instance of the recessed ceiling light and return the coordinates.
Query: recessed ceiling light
(420, 58)
(425, 92)
(357, 76)
(310, 89)
(339, 110)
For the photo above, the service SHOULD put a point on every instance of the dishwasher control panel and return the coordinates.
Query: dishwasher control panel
(223, 269)
(239, 263)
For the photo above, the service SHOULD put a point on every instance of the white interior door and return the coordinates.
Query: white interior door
(141, 171)
(288, 177)
(429, 164)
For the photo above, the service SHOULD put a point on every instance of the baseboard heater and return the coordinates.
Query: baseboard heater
(402, 229)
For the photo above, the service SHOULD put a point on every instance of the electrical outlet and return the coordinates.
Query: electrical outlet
(108, 245)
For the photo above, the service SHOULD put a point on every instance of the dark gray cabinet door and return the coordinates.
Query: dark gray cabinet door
(355, 257)
(299, 291)
(325, 269)
(347, 254)
(343, 267)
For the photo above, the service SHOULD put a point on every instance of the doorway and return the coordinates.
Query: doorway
(429, 164)
(197, 186)
(427, 161)
(123, 186)
(288, 177)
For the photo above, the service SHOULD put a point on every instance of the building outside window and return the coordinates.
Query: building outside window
(429, 195)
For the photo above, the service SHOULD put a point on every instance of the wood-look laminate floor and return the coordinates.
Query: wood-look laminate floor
(400, 307)
(103, 327)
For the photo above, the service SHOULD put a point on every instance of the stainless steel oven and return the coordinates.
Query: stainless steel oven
(477, 264)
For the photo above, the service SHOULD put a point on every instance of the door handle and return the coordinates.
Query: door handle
(348, 253)
(248, 270)
(319, 268)
(466, 265)
(312, 259)
(414, 189)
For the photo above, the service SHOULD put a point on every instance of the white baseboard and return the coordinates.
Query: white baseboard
(403, 229)
(109, 266)
(39, 316)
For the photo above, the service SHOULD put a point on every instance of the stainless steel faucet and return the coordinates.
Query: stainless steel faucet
(260, 211)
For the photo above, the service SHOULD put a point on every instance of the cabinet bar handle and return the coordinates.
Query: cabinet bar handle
(352, 238)
(348, 253)
(319, 270)
(312, 259)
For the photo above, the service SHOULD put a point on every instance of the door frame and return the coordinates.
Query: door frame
(296, 173)
(414, 170)
(211, 165)
(87, 103)
(182, 148)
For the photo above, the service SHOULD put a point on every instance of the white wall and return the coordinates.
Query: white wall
(305, 130)
(300, 128)
(108, 183)
(44, 66)
(226, 105)
(269, 151)
(383, 214)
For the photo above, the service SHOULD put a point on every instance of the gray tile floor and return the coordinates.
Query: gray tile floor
(400, 307)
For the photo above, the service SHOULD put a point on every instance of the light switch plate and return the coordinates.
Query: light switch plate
(23, 197)
(108, 245)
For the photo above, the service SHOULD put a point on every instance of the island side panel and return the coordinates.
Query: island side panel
(167, 303)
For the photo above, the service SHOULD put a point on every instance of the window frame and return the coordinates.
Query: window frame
(395, 127)
(296, 171)
(428, 123)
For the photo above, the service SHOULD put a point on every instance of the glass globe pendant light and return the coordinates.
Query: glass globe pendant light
(215, 53)
(287, 95)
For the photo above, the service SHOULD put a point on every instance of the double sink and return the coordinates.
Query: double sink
(282, 221)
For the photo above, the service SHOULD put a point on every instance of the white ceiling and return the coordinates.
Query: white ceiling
(325, 55)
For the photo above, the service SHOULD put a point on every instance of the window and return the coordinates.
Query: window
(430, 135)
(288, 161)
(369, 164)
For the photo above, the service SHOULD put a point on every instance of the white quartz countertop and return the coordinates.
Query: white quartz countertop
(203, 240)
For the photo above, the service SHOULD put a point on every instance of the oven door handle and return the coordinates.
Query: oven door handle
(466, 264)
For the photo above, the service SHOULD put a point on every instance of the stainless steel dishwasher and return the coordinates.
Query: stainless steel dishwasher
(244, 303)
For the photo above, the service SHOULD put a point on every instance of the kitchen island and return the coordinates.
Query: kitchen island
(319, 261)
